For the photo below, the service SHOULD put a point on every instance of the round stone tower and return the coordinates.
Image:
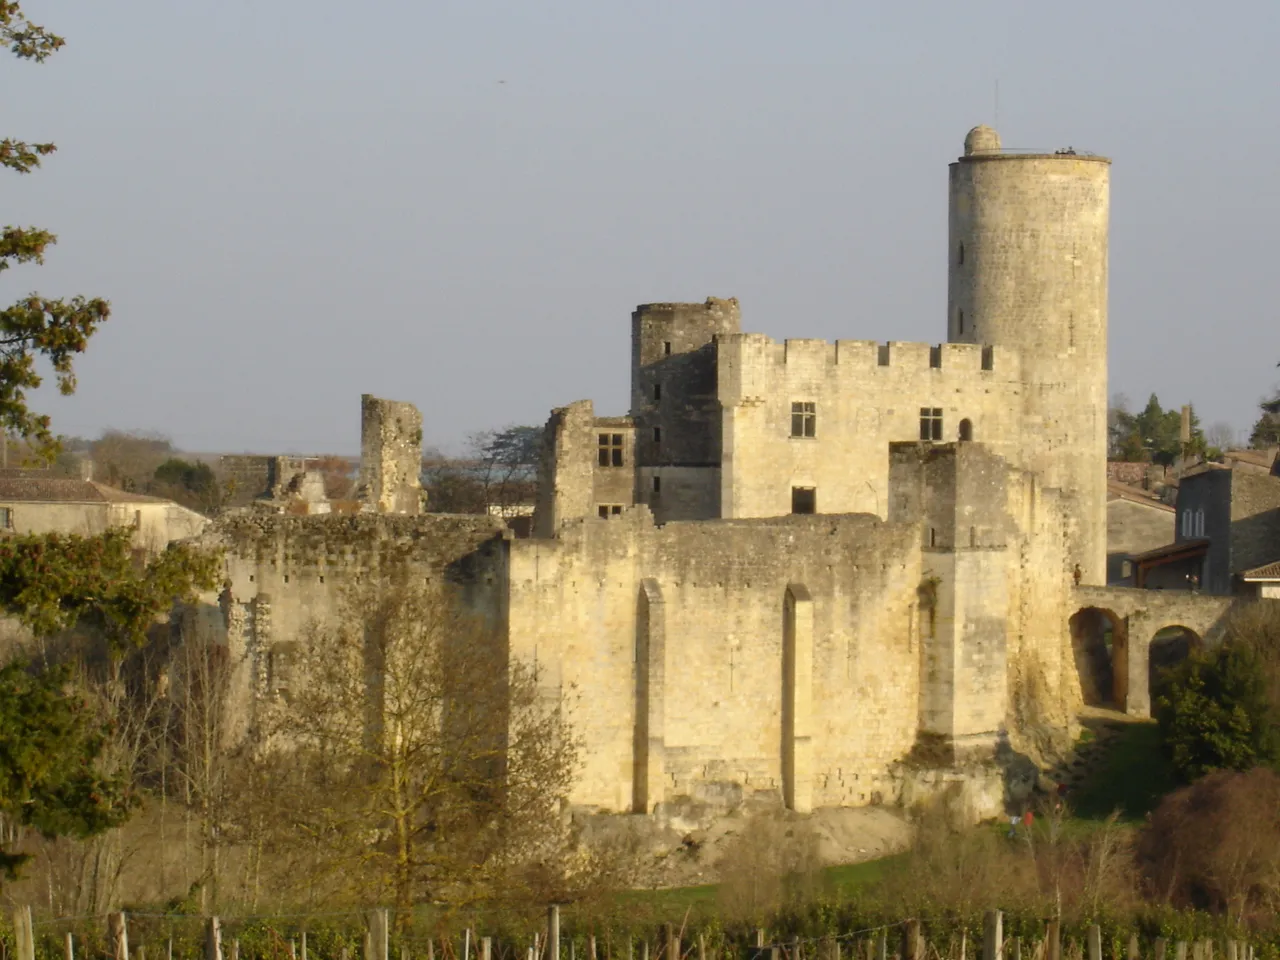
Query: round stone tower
(1027, 270)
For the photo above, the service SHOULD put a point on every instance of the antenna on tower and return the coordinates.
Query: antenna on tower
(996, 121)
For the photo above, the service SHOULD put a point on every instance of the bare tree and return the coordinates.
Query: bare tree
(436, 765)
(1221, 435)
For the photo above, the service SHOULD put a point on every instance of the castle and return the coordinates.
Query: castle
(792, 565)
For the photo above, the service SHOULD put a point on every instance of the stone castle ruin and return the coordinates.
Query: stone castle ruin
(826, 572)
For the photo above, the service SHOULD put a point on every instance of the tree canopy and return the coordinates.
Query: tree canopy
(55, 582)
(36, 328)
(1152, 435)
(50, 743)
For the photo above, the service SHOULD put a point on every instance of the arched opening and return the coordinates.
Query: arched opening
(966, 429)
(1099, 642)
(1169, 647)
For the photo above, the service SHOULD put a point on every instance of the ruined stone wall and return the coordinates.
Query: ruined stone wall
(1027, 270)
(566, 471)
(866, 396)
(390, 456)
(286, 575)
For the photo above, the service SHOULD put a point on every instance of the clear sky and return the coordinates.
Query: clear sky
(292, 203)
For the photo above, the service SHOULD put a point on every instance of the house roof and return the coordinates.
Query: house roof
(1170, 552)
(1268, 571)
(31, 489)
(1125, 491)
(1257, 458)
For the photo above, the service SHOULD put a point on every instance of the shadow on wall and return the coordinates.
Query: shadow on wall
(1255, 541)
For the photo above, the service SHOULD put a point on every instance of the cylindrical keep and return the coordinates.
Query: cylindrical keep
(1027, 269)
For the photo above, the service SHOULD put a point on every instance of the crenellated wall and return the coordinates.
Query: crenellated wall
(866, 395)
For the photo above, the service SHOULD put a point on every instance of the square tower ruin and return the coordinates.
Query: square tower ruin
(390, 456)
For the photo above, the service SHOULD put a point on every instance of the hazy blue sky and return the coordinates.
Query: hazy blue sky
(290, 203)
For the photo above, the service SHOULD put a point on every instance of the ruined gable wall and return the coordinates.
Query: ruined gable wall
(863, 405)
(573, 607)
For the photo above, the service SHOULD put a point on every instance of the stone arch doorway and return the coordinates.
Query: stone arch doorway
(966, 430)
(1100, 645)
(1169, 647)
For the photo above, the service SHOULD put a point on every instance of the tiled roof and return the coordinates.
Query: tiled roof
(66, 490)
(1268, 571)
(1124, 491)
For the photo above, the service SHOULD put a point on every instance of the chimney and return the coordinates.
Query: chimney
(1185, 434)
(86, 468)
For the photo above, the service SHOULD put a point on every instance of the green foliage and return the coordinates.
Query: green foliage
(49, 748)
(1266, 432)
(1132, 777)
(35, 328)
(1215, 713)
(191, 484)
(1154, 435)
(54, 582)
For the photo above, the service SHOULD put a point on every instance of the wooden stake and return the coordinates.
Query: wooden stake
(71, 946)
(213, 939)
(1095, 942)
(1160, 947)
(993, 935)
(1053, 941)
(118, 936)
(553, 932)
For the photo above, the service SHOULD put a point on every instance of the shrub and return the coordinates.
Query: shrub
(1215, 845)
(1218, 709)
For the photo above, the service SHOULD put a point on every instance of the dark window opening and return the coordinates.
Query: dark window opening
(966, 429)
(930, 423)
(657, 434)
(959, 320)
(616, 510)
(804, 500)
(657, 484)
(935, 356)
(960, 255)
(607, 510)
(611, 450)
(804, 419)
(604, 512)
(666, 348)
(933, 537)
(882, 355)
(988, 358)
(657, 391)
(6, 518)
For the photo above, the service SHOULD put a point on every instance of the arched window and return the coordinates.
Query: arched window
(966, 429)
(1199, 523)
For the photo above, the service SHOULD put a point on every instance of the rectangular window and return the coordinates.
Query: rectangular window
(657, 434)
(610, 449)
(930, 423)
(804, 500)
(657, 391)
(804, 419)
(6, 518)
(666, 348)
(657, 484)
(607, 510)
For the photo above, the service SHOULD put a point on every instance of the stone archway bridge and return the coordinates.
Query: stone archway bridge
(1138, 615)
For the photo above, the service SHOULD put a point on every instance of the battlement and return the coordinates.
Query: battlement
(755, 349)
